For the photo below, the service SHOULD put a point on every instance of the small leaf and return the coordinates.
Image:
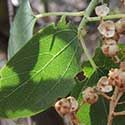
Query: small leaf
(22, 28)
(36, 76)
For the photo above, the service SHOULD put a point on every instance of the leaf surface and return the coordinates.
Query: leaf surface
(42, 71)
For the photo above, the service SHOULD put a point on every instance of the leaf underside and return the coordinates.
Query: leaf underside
(22, 28)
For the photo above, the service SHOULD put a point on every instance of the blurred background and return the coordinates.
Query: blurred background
(8, 9)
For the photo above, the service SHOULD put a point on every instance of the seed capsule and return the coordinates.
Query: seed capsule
(117, 78)
(90, 96)
(110, 48)
(120, 26)
(62, 107)
(103, 85)
(107, 29)
(102, 10)
(73, 103)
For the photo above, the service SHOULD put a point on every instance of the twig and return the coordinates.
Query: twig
(113, 103)
(81, 13)
(87, 14)
(120, 103)
(105, 96)
(82, 31)
(119, 113)
(86, 51)
(115, 16)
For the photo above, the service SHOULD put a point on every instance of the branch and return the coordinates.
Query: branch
(82, 31)
(105, 96)
(119, 113)
(113, 103)
(116, 16)
(81, 13)
(120, 103)
(87, 14)
(86, 51)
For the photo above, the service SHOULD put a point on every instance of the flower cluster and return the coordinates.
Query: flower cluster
(117, 77)
(111, 33)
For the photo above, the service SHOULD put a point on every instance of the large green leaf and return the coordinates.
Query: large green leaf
(22, 28)
(40, 72)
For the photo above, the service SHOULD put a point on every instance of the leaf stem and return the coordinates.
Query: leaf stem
(81, 13)
(82, 31)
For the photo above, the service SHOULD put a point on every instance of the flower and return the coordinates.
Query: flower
(110, 48)
(102, 10)
(120, 26)
(117, 78)
(62, 107)
(90, 96)
(103, 85)
(73, 103)
(107, 29)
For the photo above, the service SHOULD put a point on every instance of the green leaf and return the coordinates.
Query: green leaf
(83, 112)
(22, 28)
(99, 112)
(37, 75)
